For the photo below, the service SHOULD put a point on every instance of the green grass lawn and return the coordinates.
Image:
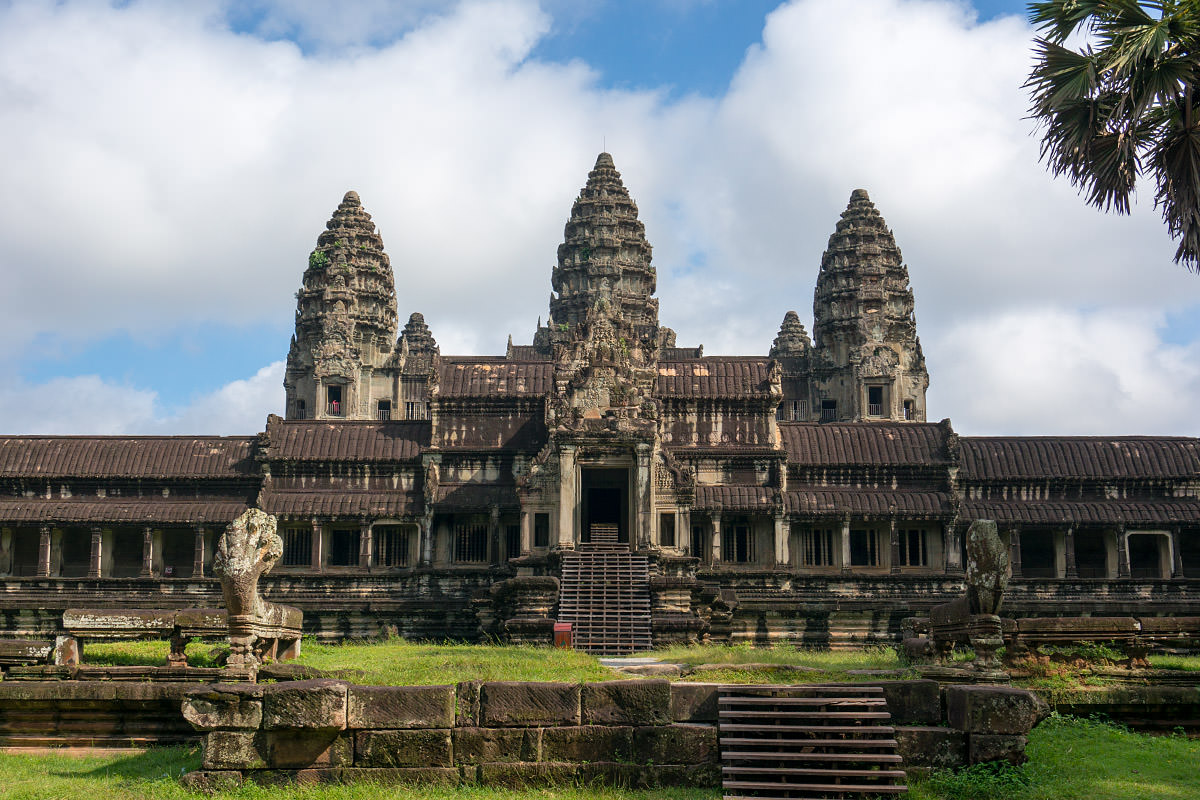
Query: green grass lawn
(1069, 760)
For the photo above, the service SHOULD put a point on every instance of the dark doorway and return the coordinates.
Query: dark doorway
(76, 552)
(127, 553)
(25, 549)
(1145, 555)
(1091, 554)
(1189, 553)
(178, 553)
(1038, 556)
(604, 496)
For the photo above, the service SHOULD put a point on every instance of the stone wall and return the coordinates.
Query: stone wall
(634, 733)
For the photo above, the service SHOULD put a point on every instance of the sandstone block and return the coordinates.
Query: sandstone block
(224, 750)
(694, 702)
(384, 776)
(227, 706)
(400, 706)
(913, 702)
(513, 704)
(935, 747)
(211, 781)
(520, 776)
(991, 709)
(295, 777)
(466, 703)
(676, 744)
(293, 749)
(312, 705)
(404, 748)
(706, 776)
(587, 743)
(983, 747)
(635, 702)
(483, 745)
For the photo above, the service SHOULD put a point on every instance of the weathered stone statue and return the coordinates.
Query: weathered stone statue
(248, 549)
(987, 567)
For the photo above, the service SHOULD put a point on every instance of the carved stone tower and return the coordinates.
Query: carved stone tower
(345, 320)
(867, 361)
(604, 255)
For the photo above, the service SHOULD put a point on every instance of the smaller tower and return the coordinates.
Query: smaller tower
(345, 320)
(867, 362)
(792, 350)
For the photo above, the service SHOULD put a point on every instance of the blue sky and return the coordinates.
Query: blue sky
(170, 167)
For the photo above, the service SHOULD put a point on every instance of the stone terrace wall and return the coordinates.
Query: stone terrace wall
(639, 733)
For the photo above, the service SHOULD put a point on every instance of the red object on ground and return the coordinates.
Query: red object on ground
(562, 635)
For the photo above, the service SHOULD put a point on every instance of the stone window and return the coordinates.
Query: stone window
(1091, 554)
(874, 401)
(301, 410)
(914, 547)
(1038, 555)
(470, 541)
(737, 543)
(541, 530)
(416, 409)
(391, 545)
(384, 410)
(297, 547)
(333, 401)
(1148, 556)
(828, 410)
(127, 547)
(817, 547)
(1189, 553)
(512, 541)
(666, 530)
(792, 411)
(864, 548)
(76, 552)
(178, 553)
(343, 547)
(697, 541)
(909, 412)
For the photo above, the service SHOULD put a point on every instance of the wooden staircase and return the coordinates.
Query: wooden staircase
(791, 742)
(605, 594)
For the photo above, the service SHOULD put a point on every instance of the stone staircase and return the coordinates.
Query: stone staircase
(605, 594)
(791, 742)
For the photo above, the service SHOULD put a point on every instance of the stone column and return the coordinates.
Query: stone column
(894, 540)
(1069, 554)
(198, 553)
(953, 549)
(846, 544)
(365, 545)
(643, 481)
(683, 530)
(494, 543)
(1176, 555)
(526, 532)
(715, 549)
(44, 552)
(318, 531)
(783, 555)
(425, 539)
(1014, 548)
(1122, 553)
(567, 497)
(147, 552)
(97, 553)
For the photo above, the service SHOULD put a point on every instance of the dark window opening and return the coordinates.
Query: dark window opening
(343, 547)
(816, 548)
(391, 545)
(666, 530)
(913, 548)
(864, 548)
(470, 542)
(76, 552)
(908, 409)
(1145, 555)
(1189, 553)
(512, 541)
(301, 410)
(384, 410)
(26, 550)
(874, 401)
(1091, 555)
(541, 530)
(297, 547)
(605, 506)
(698, 541)
(179, 553)
(416, 409)
(828, 410)
(333, 401)
(737, 543)
(1038, 557)
(127, 553)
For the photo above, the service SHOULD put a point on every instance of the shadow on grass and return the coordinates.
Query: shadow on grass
(144, 765)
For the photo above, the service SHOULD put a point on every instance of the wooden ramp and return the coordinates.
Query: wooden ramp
(791, 742)
(605, 594)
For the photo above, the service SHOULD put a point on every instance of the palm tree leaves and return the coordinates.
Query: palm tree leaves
(1122, 106)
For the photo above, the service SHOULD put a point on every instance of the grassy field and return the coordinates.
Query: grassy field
(1069, 760)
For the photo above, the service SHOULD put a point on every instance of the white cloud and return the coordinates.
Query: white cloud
(89, 404)
(160, 168)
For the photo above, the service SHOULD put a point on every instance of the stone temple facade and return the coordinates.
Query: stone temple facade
(798, 494)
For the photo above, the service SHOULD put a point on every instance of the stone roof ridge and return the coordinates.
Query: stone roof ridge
(792, 339)
(417, 334)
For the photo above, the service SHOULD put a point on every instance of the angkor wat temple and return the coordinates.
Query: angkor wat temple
(798, 494)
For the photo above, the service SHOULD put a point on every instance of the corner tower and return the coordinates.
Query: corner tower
(867, 360)
(345, 320)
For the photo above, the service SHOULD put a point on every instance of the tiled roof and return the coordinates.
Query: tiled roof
(476, 497)
(323, 440)
(1097, 512)
(713, 377)
(526, 352)
(139, 511)
(502, 430)
(495, 378)
(680, 353)
(736, 498)
(835, 502)
(126, 456)
(342, 504)
(1001, 458)
(864, 443)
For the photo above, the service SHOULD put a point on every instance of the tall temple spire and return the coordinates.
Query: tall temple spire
(345, 317)
(863, 322)
(605, 258)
